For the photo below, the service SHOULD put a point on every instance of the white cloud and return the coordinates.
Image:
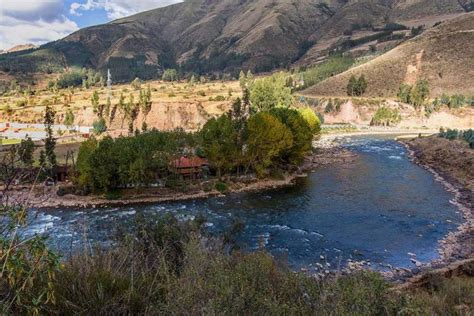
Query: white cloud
(32, 21)
(119, 8)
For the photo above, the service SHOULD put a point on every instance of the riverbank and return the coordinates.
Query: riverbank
(326, 151)
(451, 163)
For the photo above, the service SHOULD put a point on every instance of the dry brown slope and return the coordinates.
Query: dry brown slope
(443, 55)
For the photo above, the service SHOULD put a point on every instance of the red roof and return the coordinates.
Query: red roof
(185, 162)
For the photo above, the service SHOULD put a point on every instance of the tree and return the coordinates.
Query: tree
(145, 101)
(99, 126)
(351, 86)
(301, 134)
(419, 93)
(69, 118)
(270, 92)
(48, 156)
(267, 138)
(95, 102)
(356, 87)
(25, 152)
(219, 142)
(242, 80)
(123, 107)
(404, 93)
(170, 75)
(107, 107)
(136, 84)
(311, 119)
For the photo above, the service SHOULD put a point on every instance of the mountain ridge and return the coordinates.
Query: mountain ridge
(209, 36)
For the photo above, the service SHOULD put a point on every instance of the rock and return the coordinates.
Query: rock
(321, 257)
(411, 254)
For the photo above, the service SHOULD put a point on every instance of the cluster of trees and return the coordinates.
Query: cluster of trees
(451, 134)
(232, 143)
(268, 139)
(334, 65)
(356, 86)
(386, 116)
(268, 92)
(170, 75)
(107, 164)
(453, 102)
(415, 95)
(129, 107)
(76, 78)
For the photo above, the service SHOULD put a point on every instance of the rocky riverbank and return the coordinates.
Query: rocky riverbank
(451, 163)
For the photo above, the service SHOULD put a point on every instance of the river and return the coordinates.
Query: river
(378, 208)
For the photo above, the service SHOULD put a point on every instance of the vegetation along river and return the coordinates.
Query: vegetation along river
(380, 208)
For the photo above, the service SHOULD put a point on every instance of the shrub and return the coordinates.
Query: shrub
(170, 75)
(313, 120)
(99, 126)
(217, 98)
(22, 103)
(70, 79)
(356, 86)
(404, 93)
(386, 117)
(456, 101)
(221, 187)
(136, 84)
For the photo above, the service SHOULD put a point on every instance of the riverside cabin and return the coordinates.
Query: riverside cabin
(189, 167)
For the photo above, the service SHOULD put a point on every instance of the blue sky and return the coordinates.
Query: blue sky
(41, 21)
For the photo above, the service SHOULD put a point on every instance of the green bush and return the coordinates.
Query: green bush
(70, 79)
(219, 98)
(99, 126)
(356, 86)
(221, 187)
(170, 75)
(386, 117)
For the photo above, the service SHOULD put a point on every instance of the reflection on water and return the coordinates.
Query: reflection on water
(378, 208)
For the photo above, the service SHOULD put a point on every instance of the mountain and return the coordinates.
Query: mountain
(443, 55)
(206, 36)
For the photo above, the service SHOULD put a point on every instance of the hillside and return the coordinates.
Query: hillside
(206, 36)
(443, 55)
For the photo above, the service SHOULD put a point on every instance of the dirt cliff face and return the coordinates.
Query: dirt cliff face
(360, 111)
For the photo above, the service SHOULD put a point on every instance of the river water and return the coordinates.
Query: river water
(379, 207)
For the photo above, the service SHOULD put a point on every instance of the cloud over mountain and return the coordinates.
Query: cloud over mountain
(33, 21)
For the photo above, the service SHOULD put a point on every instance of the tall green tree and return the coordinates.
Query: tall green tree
(301, 134)
(270, 92)
(95, 102)
(48, 156)
(267, 138)
(220, 145)
(69, 118)
(311, 119)
(419, 93)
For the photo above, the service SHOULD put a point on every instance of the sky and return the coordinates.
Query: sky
(41, 21)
